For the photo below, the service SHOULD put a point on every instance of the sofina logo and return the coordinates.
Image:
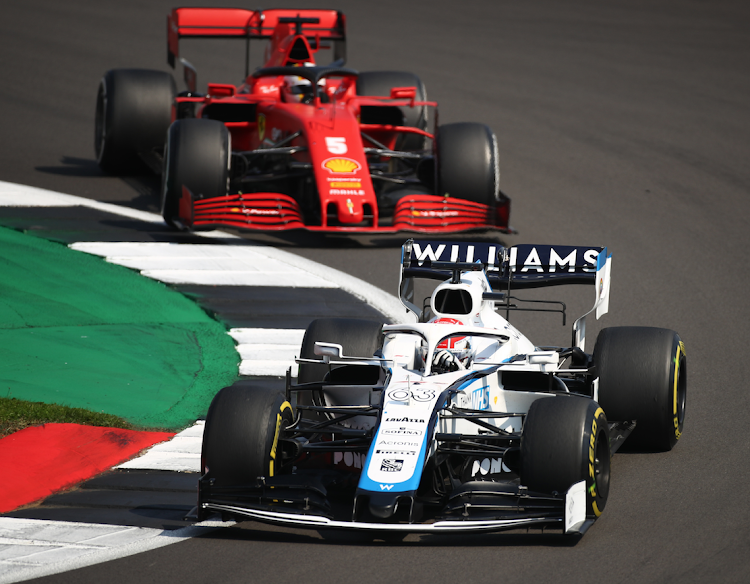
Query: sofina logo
(341, 165)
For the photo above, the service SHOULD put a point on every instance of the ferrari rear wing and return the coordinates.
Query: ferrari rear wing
(240, 23)
(515, 268)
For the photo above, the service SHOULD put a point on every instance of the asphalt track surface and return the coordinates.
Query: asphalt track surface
(619, 123)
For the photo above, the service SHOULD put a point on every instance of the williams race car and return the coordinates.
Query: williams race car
(455, 422)
(297, 145)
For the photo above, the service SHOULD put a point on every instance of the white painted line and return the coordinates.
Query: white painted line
(268, 351)
(166, 461)
(32, 548)
(181, 454)
(267, 368)
(208, 265)
(238, 278)
(260, 335)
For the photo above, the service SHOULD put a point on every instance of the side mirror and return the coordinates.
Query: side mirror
(403, 93)
(328, 350)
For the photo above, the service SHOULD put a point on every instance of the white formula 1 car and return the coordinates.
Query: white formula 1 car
(456, 422)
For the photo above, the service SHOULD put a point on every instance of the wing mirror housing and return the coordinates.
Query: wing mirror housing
(328, 351)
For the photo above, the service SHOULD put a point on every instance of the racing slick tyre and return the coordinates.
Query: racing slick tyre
(241, 435)
(565, 440)
(197, 156)
(467, 164)
(643, 377)
(358, 338)
(380, 83)
(133, 112)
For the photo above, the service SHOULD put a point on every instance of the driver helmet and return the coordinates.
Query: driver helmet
(459, 345)
(299, 90)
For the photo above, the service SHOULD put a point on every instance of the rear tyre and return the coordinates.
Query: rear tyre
(197, 156)
(643, 377)
(380, 83)
(241, 435)
(467, 163)
(358, 338)
(565, 440)
(133, 112)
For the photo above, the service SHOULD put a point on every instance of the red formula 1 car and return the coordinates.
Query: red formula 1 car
(297, 145)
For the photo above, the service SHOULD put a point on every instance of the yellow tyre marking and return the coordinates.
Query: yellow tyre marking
(680, 348)
(676, 377)
(592, 488)
(285, 406)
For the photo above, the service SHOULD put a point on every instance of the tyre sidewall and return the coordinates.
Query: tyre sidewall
(241, 435)
(467, 164)
(565, 441)
(642, 376)
(197, 156)
(134, 110)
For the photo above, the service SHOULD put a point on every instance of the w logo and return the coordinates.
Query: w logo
(386, 487)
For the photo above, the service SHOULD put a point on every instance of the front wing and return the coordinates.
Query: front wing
(566, 513)
(276, 212)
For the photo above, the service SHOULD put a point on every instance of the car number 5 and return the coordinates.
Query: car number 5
(336, 145)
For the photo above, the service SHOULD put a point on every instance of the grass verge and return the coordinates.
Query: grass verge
(17, 414)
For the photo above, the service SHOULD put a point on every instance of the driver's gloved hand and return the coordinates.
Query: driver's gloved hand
(445, 362)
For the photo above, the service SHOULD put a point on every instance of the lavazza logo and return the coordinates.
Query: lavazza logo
(405, 420)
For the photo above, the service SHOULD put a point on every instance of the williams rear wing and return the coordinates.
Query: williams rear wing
(514, 268)
(320, 27)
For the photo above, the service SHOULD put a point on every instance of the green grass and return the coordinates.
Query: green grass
(16, 414)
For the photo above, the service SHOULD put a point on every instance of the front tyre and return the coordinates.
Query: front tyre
(643, 377)
(241, 435)
(467, 164)
(133, 112)
(198, 155)
(565, 440)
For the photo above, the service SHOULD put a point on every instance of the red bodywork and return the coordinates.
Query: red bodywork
(324, 137)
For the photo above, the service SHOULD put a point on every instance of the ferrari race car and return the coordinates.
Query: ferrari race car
(297, 145)
(455, 422)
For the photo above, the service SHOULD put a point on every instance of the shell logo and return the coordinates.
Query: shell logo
(341, 165)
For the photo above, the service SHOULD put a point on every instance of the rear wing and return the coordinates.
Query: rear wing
(318, 26)
(514, 268)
